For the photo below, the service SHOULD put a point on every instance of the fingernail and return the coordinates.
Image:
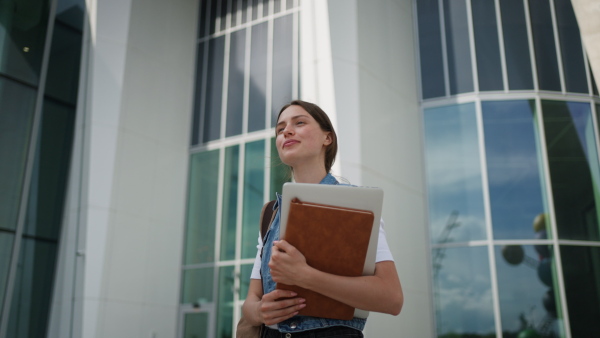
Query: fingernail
(302, 306)
(294, 294)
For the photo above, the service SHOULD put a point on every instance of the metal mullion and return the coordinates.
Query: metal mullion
(550, 201)
(444, 47)
(203, 83)
(557, 47)
(239, 228)
(218, 220)
(473, 53)
(488, 219)
(501, 44)
(31, 152)
(530, 43)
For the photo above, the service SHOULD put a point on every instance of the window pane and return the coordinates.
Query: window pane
(276, 6)
(460, 72)
(202, 208)
(574, 172)
(235, 97)
(514, 168)
(254, 178)
(202, 19)
(489, 69)
(196, 325)
(255, 14)
(32, 289)
(543, 43)
(290, 4)
(197, 286)
(527, 293)
(245, 272)
(225, 305)
(516, 45)
(430, 49)
(212, 24)
(454, 174)
(282, 63)
(462, 291)
(266, 7)
(23, 36)
(570, 47)
(198, 93)
(230, 192)
(234, 12)
(6, 246)
(223, 10)
(49, 176)
(17, 103)
(258, 78)
(582, 287)
(280, 173)
(214, 89)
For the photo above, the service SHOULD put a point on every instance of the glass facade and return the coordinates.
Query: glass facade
(40, 48)
(247, 68)
(511, 146)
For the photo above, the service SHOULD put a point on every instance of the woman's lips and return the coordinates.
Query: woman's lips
(289, 143)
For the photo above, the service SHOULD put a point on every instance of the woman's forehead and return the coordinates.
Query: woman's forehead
(292, 112)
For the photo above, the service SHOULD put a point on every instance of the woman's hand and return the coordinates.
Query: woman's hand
(279, 305)
(287, 264)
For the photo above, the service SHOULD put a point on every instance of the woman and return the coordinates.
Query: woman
(306, 141)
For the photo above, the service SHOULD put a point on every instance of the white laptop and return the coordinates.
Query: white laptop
(363, 198)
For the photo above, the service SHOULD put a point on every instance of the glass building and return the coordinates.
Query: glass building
(136, 150)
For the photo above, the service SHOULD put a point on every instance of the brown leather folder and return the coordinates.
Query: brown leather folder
(334, 240)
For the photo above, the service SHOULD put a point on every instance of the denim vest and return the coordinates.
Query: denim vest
(297, 323)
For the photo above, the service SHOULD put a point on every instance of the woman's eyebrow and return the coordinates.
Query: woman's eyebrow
(292, 118)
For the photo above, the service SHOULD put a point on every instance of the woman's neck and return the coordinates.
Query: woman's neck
(309, 176)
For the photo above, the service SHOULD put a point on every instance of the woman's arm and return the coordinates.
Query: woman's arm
(381, 292)
(272, 308)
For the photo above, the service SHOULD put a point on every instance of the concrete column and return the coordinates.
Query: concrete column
(588, 18)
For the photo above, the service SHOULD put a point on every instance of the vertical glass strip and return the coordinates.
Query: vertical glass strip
(489, 68)
(255, 9)
(570, 47)
(276, 6)
(17, 103)
(225, 305)
(454, 174)
(458, 48)
(214, 90)
(202, 18)
(212, 22)
(198, 94)
(229, 212)
(282, 63)
(258, 78)
(202, 208)
(514, 174)
(233, 12)
(223, 14)
(197, 286)
(196, 325)
(543, 42)
(280, 173)
(6, 247)
(254, 168)
(245, 7)
(235, 97)
(581, 270)
(430, 49)
(245, 272)
(574, 168)
(516, 45)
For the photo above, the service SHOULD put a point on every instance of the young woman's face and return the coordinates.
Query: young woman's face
(300, 139)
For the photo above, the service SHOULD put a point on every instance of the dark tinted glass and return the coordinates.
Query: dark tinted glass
(462, 287)
(544, 46)
(6, 247)
(487, 49)
(254, 179)
(255, 13)
(582, 288)
(526, 279)
(214, 13)
(257, 106)
(49, 178)
(460, 73)
(202, 18)
(593, 80)
(198, 93)
(245, 272)
(266, 7)
(235, 96)
(17, 103)
(430, 49)
(224, 7)
(514, 173)
(280, 173)
(212, 108)
(24, 26)
(282, 64)
(573, 163)
(516, 45)
(225, 304)
(197, 285)
(234, 12)
(245, 5)
(570, 47)
(32, 291)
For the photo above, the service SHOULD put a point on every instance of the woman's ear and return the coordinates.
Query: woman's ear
(328, 139)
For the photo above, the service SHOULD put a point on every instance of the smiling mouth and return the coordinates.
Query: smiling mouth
(289, 143)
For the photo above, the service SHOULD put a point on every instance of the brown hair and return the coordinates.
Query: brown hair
(323, 120)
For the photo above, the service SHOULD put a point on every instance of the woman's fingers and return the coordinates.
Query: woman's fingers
(277, 306)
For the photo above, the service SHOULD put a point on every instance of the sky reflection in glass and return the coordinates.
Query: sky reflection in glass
(454, 174)
(514, 169)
